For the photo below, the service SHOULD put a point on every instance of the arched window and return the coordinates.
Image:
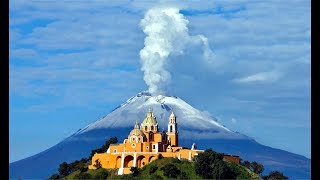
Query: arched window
(170, 128)
(163, 137)
(151, 136)
(151, 128)
(145, 128)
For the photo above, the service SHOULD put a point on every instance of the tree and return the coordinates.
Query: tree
(83, 168)
(54, 177)
(104, 147)
(170, 170)
(97, 164)
(246, 164)
(74, 166)
(204, 163)
(275, 175)
(64, 169)
(210, 165)
(134, 171)
(256, 167)
(93, 152)
(222, 171)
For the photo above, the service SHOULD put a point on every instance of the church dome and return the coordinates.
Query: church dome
(150, 120)
(136, 131)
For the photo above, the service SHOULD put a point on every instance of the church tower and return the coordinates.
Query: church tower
(149, 126)
(172, 130)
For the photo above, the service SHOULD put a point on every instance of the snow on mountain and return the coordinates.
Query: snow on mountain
(137, 106)
(194, 126)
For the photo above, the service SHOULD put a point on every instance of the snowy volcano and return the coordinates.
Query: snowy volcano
(192, 122)
(194, 126)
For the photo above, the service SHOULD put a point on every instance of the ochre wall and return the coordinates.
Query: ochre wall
(173, 139)
(113, 160)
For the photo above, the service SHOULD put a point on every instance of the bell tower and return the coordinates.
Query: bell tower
(172, 130)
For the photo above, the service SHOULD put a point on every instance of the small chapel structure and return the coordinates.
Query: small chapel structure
(143, 145)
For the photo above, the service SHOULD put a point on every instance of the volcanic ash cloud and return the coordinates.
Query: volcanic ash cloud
(166, 34)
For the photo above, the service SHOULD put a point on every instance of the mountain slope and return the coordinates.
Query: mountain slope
(194, 126)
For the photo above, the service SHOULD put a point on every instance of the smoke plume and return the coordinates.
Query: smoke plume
(166, 35)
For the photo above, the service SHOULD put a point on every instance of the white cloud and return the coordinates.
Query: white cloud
(259, 77)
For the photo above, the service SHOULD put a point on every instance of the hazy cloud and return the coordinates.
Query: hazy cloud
(260, 77)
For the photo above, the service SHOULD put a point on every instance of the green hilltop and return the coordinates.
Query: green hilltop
(206, 165)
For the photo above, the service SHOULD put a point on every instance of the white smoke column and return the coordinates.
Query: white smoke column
(167, 34)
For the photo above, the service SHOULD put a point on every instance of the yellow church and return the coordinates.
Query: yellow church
(143, 146)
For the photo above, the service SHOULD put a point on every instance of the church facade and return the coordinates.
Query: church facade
(143, 145)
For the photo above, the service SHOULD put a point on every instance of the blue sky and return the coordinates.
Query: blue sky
(71, 62)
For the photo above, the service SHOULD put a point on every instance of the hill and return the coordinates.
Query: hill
(166, 168)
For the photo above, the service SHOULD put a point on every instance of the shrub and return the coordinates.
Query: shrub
(101, 174)
(170, 170)
(176, 160)
(134, 171)
(275, 175)
(64, 169)
(160, 156)
(256, 167)
(153, 169)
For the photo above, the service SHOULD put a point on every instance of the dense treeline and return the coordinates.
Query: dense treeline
(65, 169)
